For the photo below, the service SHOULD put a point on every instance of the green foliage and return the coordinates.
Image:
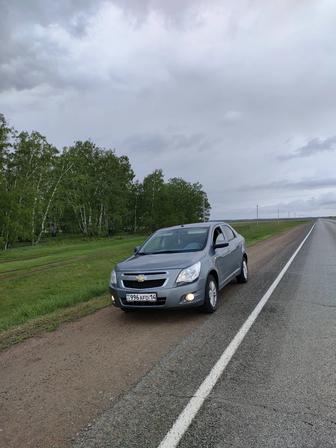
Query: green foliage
(30, 178)
(83, 189)
(5, 197)
(96, 189)
(159, 203)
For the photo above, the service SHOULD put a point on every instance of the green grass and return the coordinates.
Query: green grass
(35, 281)
(254, 232)
(44, 285)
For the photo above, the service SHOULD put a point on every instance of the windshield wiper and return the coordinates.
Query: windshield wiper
(160, 252)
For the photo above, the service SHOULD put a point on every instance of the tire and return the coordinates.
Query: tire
(243, 275)
(210, 295)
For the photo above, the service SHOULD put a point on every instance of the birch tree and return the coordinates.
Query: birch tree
(5, 221)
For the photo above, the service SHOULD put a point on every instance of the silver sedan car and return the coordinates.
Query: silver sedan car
(181, 267)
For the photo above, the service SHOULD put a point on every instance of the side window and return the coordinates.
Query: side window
(218, 236)
(229, 235)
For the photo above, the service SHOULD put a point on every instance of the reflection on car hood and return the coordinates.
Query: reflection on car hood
(159, 261)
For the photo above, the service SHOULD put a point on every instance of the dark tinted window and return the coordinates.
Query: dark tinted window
(218, 236)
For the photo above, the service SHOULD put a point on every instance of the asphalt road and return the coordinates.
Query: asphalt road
(279, 390)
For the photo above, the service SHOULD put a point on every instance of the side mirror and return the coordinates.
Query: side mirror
(136, 249)
(220, 245)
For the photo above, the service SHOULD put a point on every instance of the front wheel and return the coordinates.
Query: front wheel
(211, 295)
(243, 275)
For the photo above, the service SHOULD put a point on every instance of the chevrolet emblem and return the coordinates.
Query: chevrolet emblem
(140, 278)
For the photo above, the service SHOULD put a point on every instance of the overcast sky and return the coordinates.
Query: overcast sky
(239, 95)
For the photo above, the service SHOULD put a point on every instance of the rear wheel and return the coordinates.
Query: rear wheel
(243, 275)
(211, 295)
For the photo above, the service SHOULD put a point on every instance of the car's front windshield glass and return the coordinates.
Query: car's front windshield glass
(184, 239)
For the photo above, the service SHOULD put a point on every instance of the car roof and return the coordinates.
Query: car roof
(206, 225)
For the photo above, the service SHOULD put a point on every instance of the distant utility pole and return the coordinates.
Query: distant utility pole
(257, 213)
(278, 215)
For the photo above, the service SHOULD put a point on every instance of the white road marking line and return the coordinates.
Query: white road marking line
(184, 420)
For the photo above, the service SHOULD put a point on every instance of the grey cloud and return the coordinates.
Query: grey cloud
(305, 184)
(20, 13)
(173, 11)
(161, 79)
(28, 59)
(314, 146)
(322, 205)
(150, 144)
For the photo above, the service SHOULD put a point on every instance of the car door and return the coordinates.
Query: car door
(234, 249)
(221, 255)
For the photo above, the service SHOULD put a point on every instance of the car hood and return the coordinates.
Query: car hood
(159, 261)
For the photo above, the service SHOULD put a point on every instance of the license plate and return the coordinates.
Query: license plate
(141, 297)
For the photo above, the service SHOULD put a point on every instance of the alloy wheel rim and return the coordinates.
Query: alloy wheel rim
(212, 293)
(245, 271)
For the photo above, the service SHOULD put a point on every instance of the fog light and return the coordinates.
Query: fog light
(113, 299)
(190, 297)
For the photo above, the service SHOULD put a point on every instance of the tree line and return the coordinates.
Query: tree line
(83, 189)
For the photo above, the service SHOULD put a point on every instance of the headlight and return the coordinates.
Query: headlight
(113, 277)
(190, 274)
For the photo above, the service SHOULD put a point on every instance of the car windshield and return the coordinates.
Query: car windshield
(176, 240)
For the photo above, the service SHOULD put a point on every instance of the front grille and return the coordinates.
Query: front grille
(159, 301)
(145, 273)
(133, 284)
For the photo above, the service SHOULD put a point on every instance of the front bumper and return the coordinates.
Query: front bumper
(168, 298)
